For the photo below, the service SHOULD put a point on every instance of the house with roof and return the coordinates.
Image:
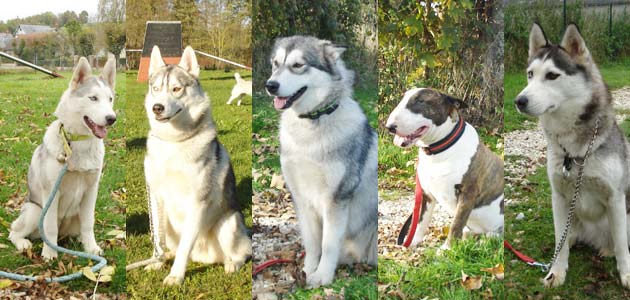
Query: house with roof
(25, 29)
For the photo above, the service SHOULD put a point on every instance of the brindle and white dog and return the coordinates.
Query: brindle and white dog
(454, 167)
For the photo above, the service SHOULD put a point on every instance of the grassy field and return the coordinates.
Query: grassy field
(589, 276)
(265, 128)
(27, 101)
(233, 123)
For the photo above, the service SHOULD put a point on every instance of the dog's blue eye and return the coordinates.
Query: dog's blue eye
(93, 98)
(530, 74)
(551, 75)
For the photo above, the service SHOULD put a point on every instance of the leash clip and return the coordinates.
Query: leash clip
(543, 267)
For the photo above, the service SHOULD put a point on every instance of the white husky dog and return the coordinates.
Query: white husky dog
(241, 88)
(85, 109)
(188, 172)
(328, 155)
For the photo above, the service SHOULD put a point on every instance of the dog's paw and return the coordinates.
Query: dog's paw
(48, 253)
(154, 266)
(318, 279)
(310, 266)
(93, 249)
(231, 267)
(173, 280)
(23, 244)
(625, 280)
(555, 278)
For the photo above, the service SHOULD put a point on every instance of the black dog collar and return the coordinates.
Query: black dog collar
(326, 110)
(447, 141)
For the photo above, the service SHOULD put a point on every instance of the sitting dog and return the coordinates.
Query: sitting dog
(567, 93)
(454, 166)
(328, 155)
(83, 113)
(240, 89)
(188, 172)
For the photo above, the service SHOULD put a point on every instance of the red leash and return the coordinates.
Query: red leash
(416, 213)
(528, 260)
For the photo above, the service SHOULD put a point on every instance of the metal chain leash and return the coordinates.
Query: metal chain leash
(576, 194)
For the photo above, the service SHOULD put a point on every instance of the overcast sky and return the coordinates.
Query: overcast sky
(25, 8)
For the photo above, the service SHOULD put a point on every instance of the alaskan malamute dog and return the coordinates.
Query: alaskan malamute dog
(188, 172)
(328, 155)
(83, 113)
(566, 92)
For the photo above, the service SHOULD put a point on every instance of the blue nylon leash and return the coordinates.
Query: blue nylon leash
(101, 260)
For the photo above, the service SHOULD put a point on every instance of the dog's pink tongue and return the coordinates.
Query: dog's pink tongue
(280, 102)
(99, 131)
(399, 141)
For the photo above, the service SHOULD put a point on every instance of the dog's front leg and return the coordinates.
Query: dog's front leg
(426, 213)
(187, 240)
(617, 220)
(558, 271)
(86, 220)
(311, 231)
(462, 212)
(51, 228)
(335, 221)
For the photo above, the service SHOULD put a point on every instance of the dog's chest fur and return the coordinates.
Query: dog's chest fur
(440, 174)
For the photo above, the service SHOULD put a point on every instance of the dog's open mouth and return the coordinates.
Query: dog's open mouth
(404, 141)
(164, 119)
(280, 103)
(98, 130)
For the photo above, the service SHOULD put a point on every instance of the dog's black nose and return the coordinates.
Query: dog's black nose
(111, 119)
(158, 109)
(521, 102)
(392, 129)
(272, 86)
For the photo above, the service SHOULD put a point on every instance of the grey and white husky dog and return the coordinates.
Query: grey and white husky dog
(83, 113)
(566, 92)
(188, 172)
(328, 155)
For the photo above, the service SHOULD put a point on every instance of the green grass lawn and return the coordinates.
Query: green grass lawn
(233, 123)
(266, 161)
(27, 101)
(589, 276)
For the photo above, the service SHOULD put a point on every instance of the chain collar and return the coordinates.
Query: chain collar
(576, 195)
(326, 110)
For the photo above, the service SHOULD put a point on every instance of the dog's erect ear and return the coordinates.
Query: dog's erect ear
(189, 62)
(574, 44)
(455, 102)
(81, 72)
(109, 71)
(333, 52)
(156, 61)
(537, 39)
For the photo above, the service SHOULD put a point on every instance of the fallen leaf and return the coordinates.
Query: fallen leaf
(277, 182)
(108, 270)
(5, 283)
(87, 272)
(498, 271)
(470, 282)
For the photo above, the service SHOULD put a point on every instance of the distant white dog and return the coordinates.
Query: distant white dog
(240, 89)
